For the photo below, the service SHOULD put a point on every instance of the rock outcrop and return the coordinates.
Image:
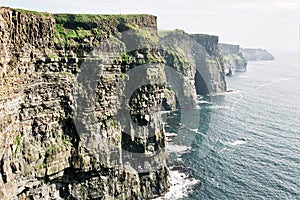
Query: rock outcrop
(234, 59)
(257, 54)
(73, 123)
(212, 71)
(196, 57)
(80, 101)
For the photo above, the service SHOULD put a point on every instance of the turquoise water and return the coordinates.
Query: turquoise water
(246, 143)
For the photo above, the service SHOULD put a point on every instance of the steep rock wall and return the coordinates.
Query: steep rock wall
(65, 126)
(80, 101)
(196, 58)
(214, 77)
(233, 58)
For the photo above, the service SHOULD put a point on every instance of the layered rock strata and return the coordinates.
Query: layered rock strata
(80, 102)
(73, 126)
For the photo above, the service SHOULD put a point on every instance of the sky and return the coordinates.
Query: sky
(268, 24)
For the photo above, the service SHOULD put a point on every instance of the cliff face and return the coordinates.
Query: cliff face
(196, 57)
(73, 124)
(80, 101)
(233, 57)
(257, 54)
(212, 70)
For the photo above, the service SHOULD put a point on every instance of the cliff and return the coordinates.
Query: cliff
(257, 54)
(80, 101)
(210, 68)
(74, 125)
(196, 57)
(233, 58)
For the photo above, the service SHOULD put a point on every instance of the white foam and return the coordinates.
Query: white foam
(202, 101)
(238, 142)
(221, 107)
(170, 134)
(179, 149)
(180, 185)
(194, 130)
(244, 76)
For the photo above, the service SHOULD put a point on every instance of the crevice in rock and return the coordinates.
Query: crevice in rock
(4, 177)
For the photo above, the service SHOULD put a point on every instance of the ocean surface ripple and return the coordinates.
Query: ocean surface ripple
(254, 136)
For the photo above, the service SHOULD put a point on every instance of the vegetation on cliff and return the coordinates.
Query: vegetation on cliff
(72, 29)
(233, 58)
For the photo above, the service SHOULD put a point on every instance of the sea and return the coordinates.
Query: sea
(241, 144)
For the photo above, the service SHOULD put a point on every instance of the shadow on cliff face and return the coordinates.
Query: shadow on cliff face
(200, 84)
(133, 119)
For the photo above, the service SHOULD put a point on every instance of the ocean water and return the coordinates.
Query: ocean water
(244, 144)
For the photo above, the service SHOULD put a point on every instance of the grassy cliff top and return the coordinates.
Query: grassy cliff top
(75, 28)
(87, 18)
(163, 33)
(22, 11)
(63, 17)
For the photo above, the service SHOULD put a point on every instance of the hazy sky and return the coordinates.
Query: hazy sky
(271, 24)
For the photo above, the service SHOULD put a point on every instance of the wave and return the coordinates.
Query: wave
(203, 102)
(234, 143)
(279, 80)
(222, 107)
(178, 149)
(244, 76)
(180, 186)
(238, 142)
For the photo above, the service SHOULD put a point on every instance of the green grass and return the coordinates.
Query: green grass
(41, 14)
(124, 77)
(89, 18)
(66, 142)
(64, 35)
(40, 166)
(148, 35)
(17, 143)
(51, 150)
(126, 58)
(163, 33)
(73, 29)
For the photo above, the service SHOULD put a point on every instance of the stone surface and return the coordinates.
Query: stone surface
(62, 93)
(234, 59)
(196, 57)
